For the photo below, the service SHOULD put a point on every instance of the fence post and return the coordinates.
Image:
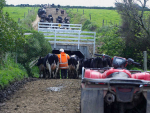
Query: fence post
(83, 11)
(51, 26)
(77, 9)
(24, 15)
(103, 22)
(78, 40)
(110, 22)
(90, 16)
(145, 60)
(149, 23)
(18, 20)
(38, 27)
(16, 58)
(55, 40)
(94, 44)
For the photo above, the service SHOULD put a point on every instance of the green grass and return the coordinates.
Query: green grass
(26, 23)
(18, 12)
(35, 71)
(97, 16)
(10, 75)
(10, 72)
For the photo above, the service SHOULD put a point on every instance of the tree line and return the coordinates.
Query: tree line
(68, 6)
(132, 37)
(23, 49)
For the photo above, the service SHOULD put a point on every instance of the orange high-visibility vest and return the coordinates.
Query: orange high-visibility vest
(63, 60)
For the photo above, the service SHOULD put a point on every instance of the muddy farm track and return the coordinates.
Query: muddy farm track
(37, 97)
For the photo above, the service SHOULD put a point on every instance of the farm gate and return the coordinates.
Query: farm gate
(73, 40)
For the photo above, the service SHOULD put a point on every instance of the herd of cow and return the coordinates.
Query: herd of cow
(42, 14)
(49, 65)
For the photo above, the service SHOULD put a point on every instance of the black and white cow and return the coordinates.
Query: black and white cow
(81, 60)
(50, 18)
(41, 11)
(62, 12)
(59, 19)
(73, 63)
(87, 62)
(57, 9)
(42, 69)
(51, 63)
(66, 21)
(107, 61)
(96, 62)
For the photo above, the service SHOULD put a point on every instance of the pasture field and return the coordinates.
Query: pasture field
(18, 12)
(97, 15)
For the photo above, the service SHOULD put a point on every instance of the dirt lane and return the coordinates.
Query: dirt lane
(55, 15)
(35, 23)
(34, 97)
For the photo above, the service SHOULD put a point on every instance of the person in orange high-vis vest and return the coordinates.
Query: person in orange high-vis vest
(63, 63)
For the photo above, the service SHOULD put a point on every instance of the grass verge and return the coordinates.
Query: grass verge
(10, 72)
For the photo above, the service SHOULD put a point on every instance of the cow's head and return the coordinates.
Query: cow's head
(40, 61)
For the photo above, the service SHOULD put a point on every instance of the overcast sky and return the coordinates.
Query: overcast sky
(101, 3)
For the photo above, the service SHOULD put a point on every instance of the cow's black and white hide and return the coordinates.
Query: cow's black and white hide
(59, 19)
(66, 19)
(80, 65)
(51, 63)
(42, 20)
(87, 62)
(43, 16)
(96, 62)
(41, 11)
(107, 62)
(73, 63)
(42, 69)
(62, 11)
(57, 9)
(49, 19)
(50, 15)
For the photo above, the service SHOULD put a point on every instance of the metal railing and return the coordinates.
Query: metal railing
(46, 25)
(63, 36)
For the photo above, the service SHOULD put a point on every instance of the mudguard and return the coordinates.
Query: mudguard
(148, 102)
(92, 100)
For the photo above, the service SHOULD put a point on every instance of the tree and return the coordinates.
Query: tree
(129, 8)
(2, 3)
(11, 35)
(36, 45)
(110, 41)
(135, 28)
